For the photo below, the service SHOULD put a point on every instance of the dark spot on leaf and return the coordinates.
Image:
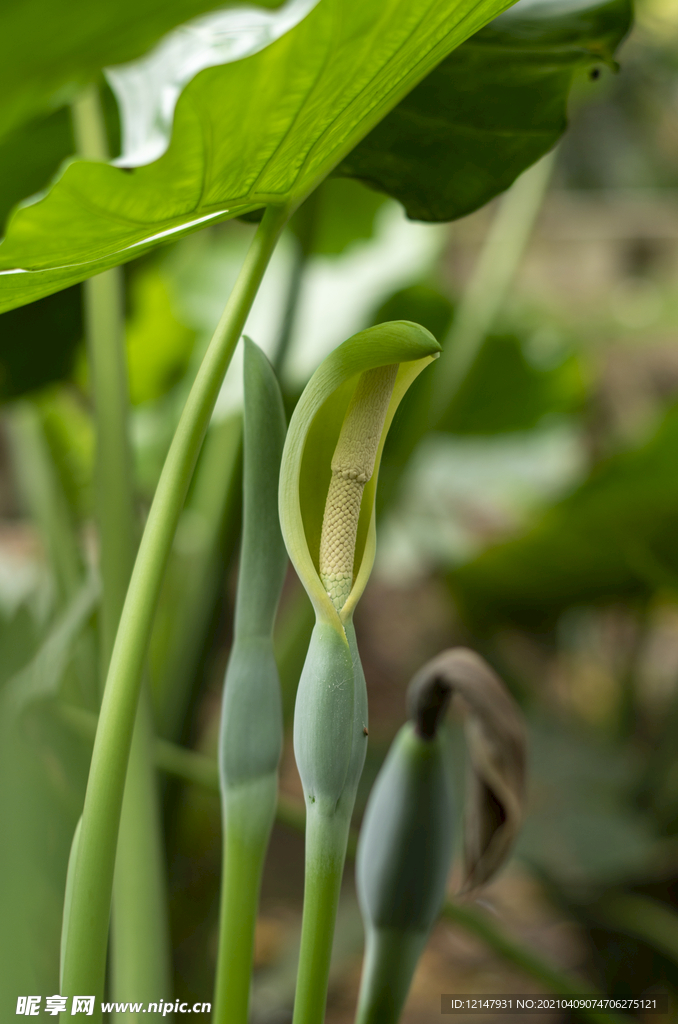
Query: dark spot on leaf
(594, 73)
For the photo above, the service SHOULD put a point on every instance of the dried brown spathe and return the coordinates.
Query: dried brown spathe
(495, 737)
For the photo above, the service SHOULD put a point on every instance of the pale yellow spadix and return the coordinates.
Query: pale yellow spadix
(352, 467)
(331, 461)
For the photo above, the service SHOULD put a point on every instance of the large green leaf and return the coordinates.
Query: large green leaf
(50, 49)
(262, 130)
(490, 110)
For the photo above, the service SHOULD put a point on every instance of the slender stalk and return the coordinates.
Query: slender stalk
(326, 842)
(200, 770)
(249, 813)
(492, 277)
(140, 948)
(196, 574)
(251, 736)
(304, 223)
(86, 939)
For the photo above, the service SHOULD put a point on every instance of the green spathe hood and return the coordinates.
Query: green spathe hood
(311, 440)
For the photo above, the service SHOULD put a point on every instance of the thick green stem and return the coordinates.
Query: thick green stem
(113, 476)
(140, 942)
(251, 736)
(86, 939)
(249, 812)
(326, 843)
(202, 771)
(391, 957)
(140, 962)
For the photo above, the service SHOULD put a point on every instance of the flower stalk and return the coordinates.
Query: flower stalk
(327, 490)
(251, 726)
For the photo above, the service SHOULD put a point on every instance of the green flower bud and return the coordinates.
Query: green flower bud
(405, 846)
(404, 856)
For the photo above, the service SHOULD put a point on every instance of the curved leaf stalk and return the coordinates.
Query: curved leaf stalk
(304, 226)
(251, 727)
(86, 937)
(206, 539)
(492, 278)
(140, 946)
(199, 770)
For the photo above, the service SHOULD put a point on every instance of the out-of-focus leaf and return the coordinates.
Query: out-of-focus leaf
(421, 303)
(69, 429)
(582, 826)
(38, 342)
(490, 110)
(147, 89)
(41, 677)
(43, 772)
(503, 391)
(53, 49)
(158, 345)
(278, 122)
(613, 538)
(495, 737)
(30, 156)
(339, 213)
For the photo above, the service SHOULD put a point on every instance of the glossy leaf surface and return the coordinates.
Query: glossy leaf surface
(53, 49)
(262, 130)
(490, 109)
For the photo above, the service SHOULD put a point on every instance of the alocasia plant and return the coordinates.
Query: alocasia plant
(262, 132)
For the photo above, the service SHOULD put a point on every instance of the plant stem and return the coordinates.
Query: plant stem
(202, 771)
(492, 277)
(140, 961)
(196, 573)
(85, 954)
(304, 225)
(326, 841)
(249, 811)
(251, 734)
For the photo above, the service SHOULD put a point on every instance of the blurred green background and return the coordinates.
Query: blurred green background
(536, 520)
